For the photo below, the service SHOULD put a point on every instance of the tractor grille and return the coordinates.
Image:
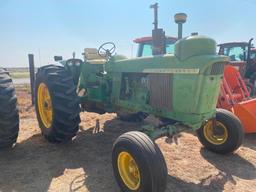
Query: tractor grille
(217, 68)
(160, 86)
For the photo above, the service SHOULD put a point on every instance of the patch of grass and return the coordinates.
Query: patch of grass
(19, 75)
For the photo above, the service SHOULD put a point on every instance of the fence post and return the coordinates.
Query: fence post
(32, 76)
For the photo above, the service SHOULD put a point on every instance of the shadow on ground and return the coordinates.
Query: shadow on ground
(34, 163)
(228, 166)
(250, 141)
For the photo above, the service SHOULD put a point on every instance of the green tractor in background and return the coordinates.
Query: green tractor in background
(9, 114)
(181, 89)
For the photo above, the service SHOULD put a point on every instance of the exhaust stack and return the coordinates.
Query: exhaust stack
(158, 34)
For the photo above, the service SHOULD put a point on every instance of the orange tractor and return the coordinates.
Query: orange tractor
(235, 97)
(239, 83)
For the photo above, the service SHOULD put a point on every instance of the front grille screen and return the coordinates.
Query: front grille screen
(160, 86)
(217, 68)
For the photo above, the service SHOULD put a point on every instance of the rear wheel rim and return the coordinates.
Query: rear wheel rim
(44, 102)
(129, 171)
(211, 135)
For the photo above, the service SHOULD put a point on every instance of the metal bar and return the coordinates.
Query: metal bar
(180, 30)
(155, 132)
(32, 76)
(155, 7)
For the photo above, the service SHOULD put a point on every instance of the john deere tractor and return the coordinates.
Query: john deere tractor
(180, 88)
(9, 117)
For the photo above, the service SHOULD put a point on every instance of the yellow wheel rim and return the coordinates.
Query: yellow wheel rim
(129, 171)
(217, 136)
(44, 103)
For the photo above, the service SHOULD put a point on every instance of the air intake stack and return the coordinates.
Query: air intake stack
(180, 19)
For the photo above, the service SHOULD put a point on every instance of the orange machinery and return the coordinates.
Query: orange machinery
(235, 97)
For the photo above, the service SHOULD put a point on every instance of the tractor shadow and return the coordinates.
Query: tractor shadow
(34, 163)
(215, 183)
(234, 165)
(250, 141)
(228, 166)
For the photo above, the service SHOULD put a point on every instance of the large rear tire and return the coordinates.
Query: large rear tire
(9, 113)
(138, 163)
(57, 104)
(226, 137)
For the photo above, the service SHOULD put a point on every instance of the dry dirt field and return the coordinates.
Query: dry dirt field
(35, 165)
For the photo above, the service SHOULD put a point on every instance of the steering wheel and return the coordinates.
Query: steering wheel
(106, 49)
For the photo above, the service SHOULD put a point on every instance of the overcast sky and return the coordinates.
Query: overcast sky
(59, 27)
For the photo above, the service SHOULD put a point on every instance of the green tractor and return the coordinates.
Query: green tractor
(181, 89)
(9, 115)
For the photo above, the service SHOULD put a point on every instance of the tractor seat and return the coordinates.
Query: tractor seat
(91, 56)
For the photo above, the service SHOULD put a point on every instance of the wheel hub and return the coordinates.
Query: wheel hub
(129, 171)
(215, 132)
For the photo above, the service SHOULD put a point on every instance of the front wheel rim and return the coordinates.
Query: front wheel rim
(128, 170)
(211, 135)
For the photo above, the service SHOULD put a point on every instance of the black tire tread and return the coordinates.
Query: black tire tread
(235, 132)
(153, 160)
(9, 113)
(65, 103)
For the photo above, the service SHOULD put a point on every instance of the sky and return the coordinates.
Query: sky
(60, 27)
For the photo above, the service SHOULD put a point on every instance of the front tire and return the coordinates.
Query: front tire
(57, 104)
(138, 163)
(9, 113)
(226, 137)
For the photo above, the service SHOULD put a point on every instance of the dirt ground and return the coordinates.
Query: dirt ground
(35, 165)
